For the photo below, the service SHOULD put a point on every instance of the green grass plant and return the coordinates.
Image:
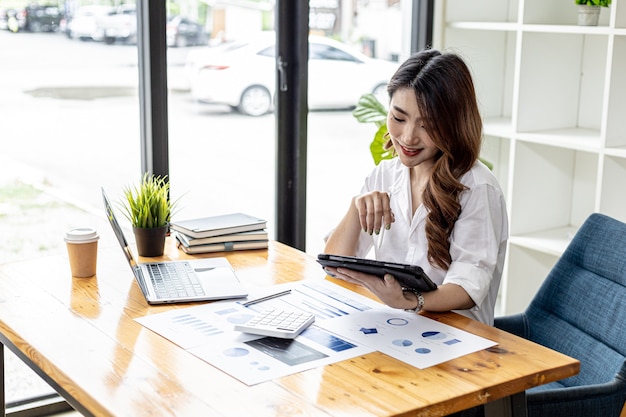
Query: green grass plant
(148, 204)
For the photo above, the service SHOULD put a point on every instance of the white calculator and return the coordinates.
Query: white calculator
(277, 323)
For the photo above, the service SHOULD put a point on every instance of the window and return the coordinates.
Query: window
(71, 115)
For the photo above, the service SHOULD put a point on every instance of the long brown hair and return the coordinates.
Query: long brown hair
(447, 102)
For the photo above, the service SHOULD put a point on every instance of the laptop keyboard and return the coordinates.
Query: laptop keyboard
(175, 279)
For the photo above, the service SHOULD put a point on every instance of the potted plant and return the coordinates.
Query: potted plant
(149, 209)
(370, 110)
(589, 11)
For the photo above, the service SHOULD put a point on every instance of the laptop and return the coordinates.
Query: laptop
(180, 281)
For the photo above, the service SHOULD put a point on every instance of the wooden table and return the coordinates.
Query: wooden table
(80, 335)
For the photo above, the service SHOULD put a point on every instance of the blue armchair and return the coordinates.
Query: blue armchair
(580, 310)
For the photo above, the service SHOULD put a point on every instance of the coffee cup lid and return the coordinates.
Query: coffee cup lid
(81, 235)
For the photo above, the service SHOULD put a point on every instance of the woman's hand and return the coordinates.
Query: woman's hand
(374, 211)
(445, 298)
(388, 290)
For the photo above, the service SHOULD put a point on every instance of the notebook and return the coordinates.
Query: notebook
(179, 281)
(223, 224)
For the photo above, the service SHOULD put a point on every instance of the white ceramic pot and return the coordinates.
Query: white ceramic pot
(588, 15)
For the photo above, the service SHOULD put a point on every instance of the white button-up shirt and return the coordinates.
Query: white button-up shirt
(477, 243)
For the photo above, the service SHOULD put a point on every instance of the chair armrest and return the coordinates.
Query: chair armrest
(516, 324)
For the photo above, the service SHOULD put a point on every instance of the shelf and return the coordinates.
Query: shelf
(537, 28)
(553, 241)
(553, 99)
(579, 139)
(488, 26)
(567, 29)
(619, 152)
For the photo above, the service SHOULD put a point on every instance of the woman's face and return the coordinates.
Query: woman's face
(406, 129)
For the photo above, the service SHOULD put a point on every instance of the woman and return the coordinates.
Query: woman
(440, 206)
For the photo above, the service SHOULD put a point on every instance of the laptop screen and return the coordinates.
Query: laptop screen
(118, 231)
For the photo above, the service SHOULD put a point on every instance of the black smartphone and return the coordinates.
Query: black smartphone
(409, 276)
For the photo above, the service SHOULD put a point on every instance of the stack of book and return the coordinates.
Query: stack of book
(227, 232)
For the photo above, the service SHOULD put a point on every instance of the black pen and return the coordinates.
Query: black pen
(267, 297)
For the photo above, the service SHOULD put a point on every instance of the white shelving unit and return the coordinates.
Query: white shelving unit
(553, 99)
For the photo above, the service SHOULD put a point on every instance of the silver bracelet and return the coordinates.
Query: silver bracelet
(420, 300)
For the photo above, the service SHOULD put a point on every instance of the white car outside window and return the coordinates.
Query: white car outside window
(243, 75)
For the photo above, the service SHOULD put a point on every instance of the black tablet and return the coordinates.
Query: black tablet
(409, 276)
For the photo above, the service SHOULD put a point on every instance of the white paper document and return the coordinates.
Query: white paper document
(409, 337)
(207, 331)
(346, 325)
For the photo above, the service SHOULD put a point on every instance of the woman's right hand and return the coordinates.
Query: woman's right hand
(374, 211)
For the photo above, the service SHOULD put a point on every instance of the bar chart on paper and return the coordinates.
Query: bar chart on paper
(208, 332)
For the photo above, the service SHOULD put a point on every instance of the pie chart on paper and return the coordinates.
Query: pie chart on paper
(434, 335)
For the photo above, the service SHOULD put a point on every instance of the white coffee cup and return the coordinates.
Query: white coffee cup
(82, 249)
